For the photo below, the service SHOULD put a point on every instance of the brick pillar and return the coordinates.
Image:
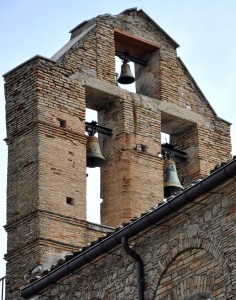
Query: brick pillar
(131, 180)
(169, 75)
(105, 47)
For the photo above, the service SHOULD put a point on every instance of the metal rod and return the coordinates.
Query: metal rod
(137, 60)
(91, 127)
(168, 148)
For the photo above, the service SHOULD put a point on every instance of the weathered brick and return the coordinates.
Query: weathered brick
(46, 102)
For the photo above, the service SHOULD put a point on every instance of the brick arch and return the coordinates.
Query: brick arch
(200, 283)
(192, 271)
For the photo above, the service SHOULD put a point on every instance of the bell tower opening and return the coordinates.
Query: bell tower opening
(183, 144)
(140, 60)
(170, 174)
(130, 87)
(93, 182)
(165, 138)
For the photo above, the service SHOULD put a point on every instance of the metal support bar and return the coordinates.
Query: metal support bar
(92, 128)
(125, 55)
(169, 149)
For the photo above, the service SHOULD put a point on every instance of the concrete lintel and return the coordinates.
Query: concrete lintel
(171, 109)
(99, 93)
(184, 114)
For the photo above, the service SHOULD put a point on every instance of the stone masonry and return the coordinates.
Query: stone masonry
(46, 101)
(190, 253)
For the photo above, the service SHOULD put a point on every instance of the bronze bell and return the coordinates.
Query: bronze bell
(171, 179)
(94, 154)
(126, 76)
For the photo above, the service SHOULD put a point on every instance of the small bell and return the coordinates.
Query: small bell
(126, 76)
(171, 179)
(94, 154)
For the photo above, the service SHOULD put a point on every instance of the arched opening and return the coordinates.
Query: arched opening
(193, 285)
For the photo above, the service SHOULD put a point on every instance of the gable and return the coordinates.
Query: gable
(133, 31)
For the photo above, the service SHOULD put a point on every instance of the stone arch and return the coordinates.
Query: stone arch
(199, 283)
(191, 272)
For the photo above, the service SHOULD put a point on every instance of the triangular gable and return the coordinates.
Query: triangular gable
(146, 16)
(81, 30)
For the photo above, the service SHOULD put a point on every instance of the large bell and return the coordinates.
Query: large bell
(126, 76)
(171, 179)
(94, 154)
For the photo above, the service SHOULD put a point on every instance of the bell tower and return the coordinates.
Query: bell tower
(48, 152)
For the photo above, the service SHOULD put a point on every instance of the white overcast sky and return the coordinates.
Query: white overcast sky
(204, 29)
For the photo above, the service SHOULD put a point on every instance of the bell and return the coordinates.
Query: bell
(171, 179)
(94, 154)
(126, 76)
